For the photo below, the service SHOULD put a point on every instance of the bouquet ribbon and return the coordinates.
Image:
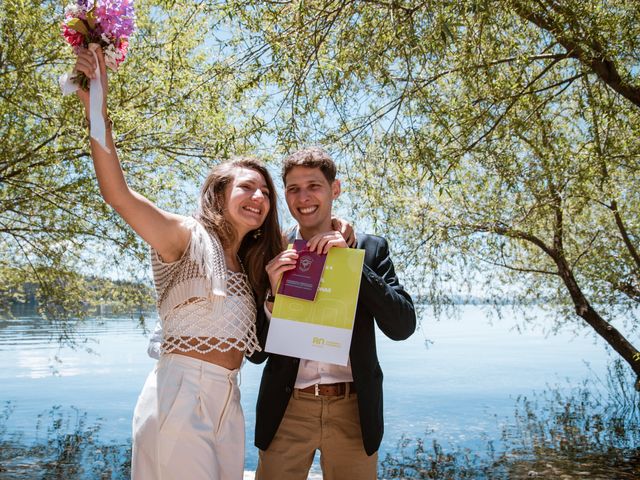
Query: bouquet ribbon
(96, 98)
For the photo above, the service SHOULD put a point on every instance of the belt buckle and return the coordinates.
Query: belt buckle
(316, 390)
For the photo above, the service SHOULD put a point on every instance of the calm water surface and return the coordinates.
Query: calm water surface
(461, 387)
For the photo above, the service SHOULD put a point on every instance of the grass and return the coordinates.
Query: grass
(593, 432)
(66, 448)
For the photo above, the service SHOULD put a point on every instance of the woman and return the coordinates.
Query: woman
(209, 273)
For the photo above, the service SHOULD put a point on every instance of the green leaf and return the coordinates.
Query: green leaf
(79, 26)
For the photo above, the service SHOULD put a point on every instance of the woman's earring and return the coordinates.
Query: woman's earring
(257, 234)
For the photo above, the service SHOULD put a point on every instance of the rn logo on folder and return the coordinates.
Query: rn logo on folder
(303, 281)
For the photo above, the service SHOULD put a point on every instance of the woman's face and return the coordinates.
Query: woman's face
(247, 201)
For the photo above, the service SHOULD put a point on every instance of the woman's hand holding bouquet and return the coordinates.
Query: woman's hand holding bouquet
(99, 32)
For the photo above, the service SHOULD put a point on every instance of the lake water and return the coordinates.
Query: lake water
(459, 390)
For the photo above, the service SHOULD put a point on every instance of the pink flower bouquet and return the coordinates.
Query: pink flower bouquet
(93, 24)
(108, 23)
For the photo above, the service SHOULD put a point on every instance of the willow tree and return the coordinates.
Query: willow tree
(170, 103)
(497, 139)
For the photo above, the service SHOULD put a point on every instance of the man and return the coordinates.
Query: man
(305, 405)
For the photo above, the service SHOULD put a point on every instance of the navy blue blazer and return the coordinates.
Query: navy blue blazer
(381, 300)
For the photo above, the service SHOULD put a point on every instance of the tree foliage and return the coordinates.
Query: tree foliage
(171, 103)
(496, 140)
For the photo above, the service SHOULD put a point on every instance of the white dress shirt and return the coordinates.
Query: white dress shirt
(311, 372)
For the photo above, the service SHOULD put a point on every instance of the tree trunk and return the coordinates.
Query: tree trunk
(608, 332)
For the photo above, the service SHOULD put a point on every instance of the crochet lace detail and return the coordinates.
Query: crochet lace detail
(202, 306)
(191, 326)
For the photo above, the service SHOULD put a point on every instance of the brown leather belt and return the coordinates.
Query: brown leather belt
(329, 389)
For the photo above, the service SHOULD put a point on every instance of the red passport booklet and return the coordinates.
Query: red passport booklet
(303, 281)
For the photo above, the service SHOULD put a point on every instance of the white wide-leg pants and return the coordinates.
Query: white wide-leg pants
(188, 423)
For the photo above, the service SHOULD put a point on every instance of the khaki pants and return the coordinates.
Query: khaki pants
(310, 423)
(188, 423)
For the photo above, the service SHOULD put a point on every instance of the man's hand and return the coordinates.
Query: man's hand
(322, 242)
(345, 229)
(278, 265)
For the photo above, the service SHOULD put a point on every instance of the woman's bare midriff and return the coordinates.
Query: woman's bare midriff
(230, 360)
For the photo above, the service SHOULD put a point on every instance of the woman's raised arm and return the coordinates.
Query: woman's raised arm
(164, 231)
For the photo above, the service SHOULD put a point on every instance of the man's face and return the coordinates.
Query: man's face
(309, 196)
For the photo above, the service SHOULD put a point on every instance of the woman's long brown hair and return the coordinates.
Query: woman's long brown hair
(258, 246)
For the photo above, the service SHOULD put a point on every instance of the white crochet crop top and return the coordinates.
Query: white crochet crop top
(202, 305)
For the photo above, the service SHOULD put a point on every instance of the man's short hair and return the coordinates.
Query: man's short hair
(310, 157)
